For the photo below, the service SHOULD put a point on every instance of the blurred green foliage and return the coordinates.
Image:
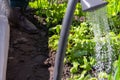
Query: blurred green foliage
(114, 15)
(80, 48)
(53, 13)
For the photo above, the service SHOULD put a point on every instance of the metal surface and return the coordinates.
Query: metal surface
(90, 5)
(4, 44)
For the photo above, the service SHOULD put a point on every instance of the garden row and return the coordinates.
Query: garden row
(80, 49)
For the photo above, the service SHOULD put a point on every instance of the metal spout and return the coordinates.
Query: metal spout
(90, 5)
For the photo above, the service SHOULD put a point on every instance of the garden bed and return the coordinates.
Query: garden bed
(27, 53)
(29, 56)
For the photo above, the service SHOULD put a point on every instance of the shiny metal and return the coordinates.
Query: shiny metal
(90, 5)
(4, 45)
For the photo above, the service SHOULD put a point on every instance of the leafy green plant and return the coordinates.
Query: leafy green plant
(80, 48)
(117, 72)
(114, 15)
(113, 7)
(53, 12)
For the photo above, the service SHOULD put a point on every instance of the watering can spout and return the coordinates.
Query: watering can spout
(90, 5)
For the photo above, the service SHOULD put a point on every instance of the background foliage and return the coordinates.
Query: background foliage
(80, 49)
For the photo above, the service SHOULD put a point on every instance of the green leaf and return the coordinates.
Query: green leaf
(74, 69)
(86, 64)
(80, 53)
(117, 73)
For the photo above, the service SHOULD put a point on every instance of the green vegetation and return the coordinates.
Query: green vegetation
(80, 49)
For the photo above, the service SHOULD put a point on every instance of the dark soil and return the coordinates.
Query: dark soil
(51, 61)
(29, 56)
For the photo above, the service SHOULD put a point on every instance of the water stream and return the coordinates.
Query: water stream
(99, 21)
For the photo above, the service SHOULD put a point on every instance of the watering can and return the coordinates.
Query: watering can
(4, 44)
(87, 5)
(90, 5)
(4, 37)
